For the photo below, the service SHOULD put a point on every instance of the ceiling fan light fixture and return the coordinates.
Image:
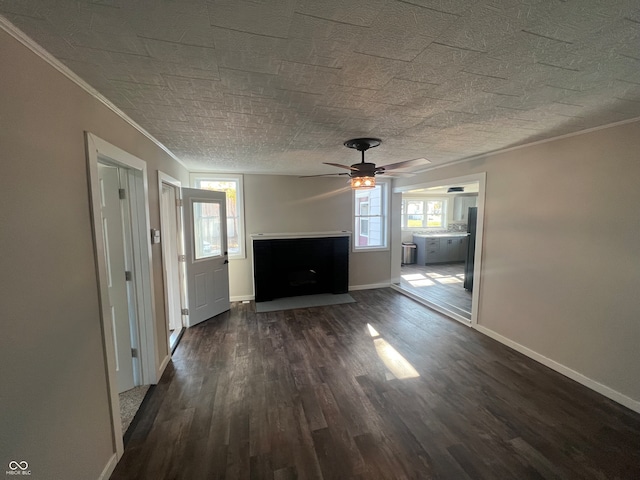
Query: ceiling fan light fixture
(361, 183)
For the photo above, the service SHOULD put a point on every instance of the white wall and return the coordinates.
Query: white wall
(285, 204)
(53, 389)
(561, 255)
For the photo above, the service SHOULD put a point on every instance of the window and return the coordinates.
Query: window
(370, 218)
(423, 213)
(207, 230)
(232, 186)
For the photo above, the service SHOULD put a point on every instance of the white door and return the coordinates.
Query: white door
(207, 264)
(113, 231)
(170, 252)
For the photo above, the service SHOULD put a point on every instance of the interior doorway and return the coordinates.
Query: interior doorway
(441, 234)
(131, 173)
(172, 254)
(116, 232)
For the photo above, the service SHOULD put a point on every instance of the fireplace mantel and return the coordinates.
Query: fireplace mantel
(272, 236)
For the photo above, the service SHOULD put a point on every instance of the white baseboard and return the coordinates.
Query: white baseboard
(163, 365)
(109, 468)
(368, 287)
(566, 371)
(241, 298)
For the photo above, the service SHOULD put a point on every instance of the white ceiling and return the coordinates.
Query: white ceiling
(277, 86)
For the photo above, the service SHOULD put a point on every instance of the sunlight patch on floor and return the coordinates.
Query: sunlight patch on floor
(422, 283)
(372, 331)
(397, 365)
(413, 276)
(448, 280)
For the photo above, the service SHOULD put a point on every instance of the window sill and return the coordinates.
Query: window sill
(372, 249)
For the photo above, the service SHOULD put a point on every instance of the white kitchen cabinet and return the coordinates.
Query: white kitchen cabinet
(461, 205)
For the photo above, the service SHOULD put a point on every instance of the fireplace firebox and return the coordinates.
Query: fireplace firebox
(288, 267)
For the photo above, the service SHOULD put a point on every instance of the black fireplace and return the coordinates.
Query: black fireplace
(288, 267)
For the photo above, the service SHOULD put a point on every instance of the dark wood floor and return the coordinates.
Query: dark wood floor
(381, 388)
(440, 284)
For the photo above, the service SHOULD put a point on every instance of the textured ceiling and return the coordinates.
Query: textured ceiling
(276, 86)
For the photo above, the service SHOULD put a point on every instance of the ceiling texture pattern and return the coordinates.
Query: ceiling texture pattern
(277, 86)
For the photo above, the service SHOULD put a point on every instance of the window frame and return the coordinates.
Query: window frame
(424, 200)
(384, 186)
(238, 179)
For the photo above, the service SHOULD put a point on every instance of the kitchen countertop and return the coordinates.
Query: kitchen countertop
(441, 235)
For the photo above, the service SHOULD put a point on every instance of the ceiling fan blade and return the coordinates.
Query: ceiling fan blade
(341, 166)
(394, 174)
(416, 162)
(324, 175)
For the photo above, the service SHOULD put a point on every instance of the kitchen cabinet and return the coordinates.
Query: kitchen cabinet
(461, 205)
(456, 248)
(440, 249)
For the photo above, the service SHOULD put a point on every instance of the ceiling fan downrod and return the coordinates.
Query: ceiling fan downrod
(362, 144)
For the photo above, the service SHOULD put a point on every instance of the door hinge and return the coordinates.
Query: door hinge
(182, 258)
(134, 353)
(122, 193)
(185, 311)
(178, 202)
(128, 276)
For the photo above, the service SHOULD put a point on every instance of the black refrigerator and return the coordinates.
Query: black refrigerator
(472, 220)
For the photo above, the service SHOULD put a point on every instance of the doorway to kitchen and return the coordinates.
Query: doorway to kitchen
(439, 241)
(439, 284)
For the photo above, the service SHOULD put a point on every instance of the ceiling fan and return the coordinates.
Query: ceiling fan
(363, 174)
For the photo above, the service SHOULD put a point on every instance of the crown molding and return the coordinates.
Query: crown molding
(32, 45)
(531, 144)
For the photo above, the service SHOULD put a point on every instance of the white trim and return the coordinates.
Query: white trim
(273, 236)
(31, 44)
(109, 468)
(370, 286)
(477, 260)
(242, 298)
(168, 180)
(163, 364)
(564, 370)
(97, 151)
(432, 306)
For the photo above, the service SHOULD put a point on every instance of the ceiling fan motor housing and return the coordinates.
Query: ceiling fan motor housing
(363, 169)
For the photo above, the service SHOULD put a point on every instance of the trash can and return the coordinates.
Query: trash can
(409, 253)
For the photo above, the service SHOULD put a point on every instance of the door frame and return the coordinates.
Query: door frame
(481, 178)
(164, 179)
(100, 151)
